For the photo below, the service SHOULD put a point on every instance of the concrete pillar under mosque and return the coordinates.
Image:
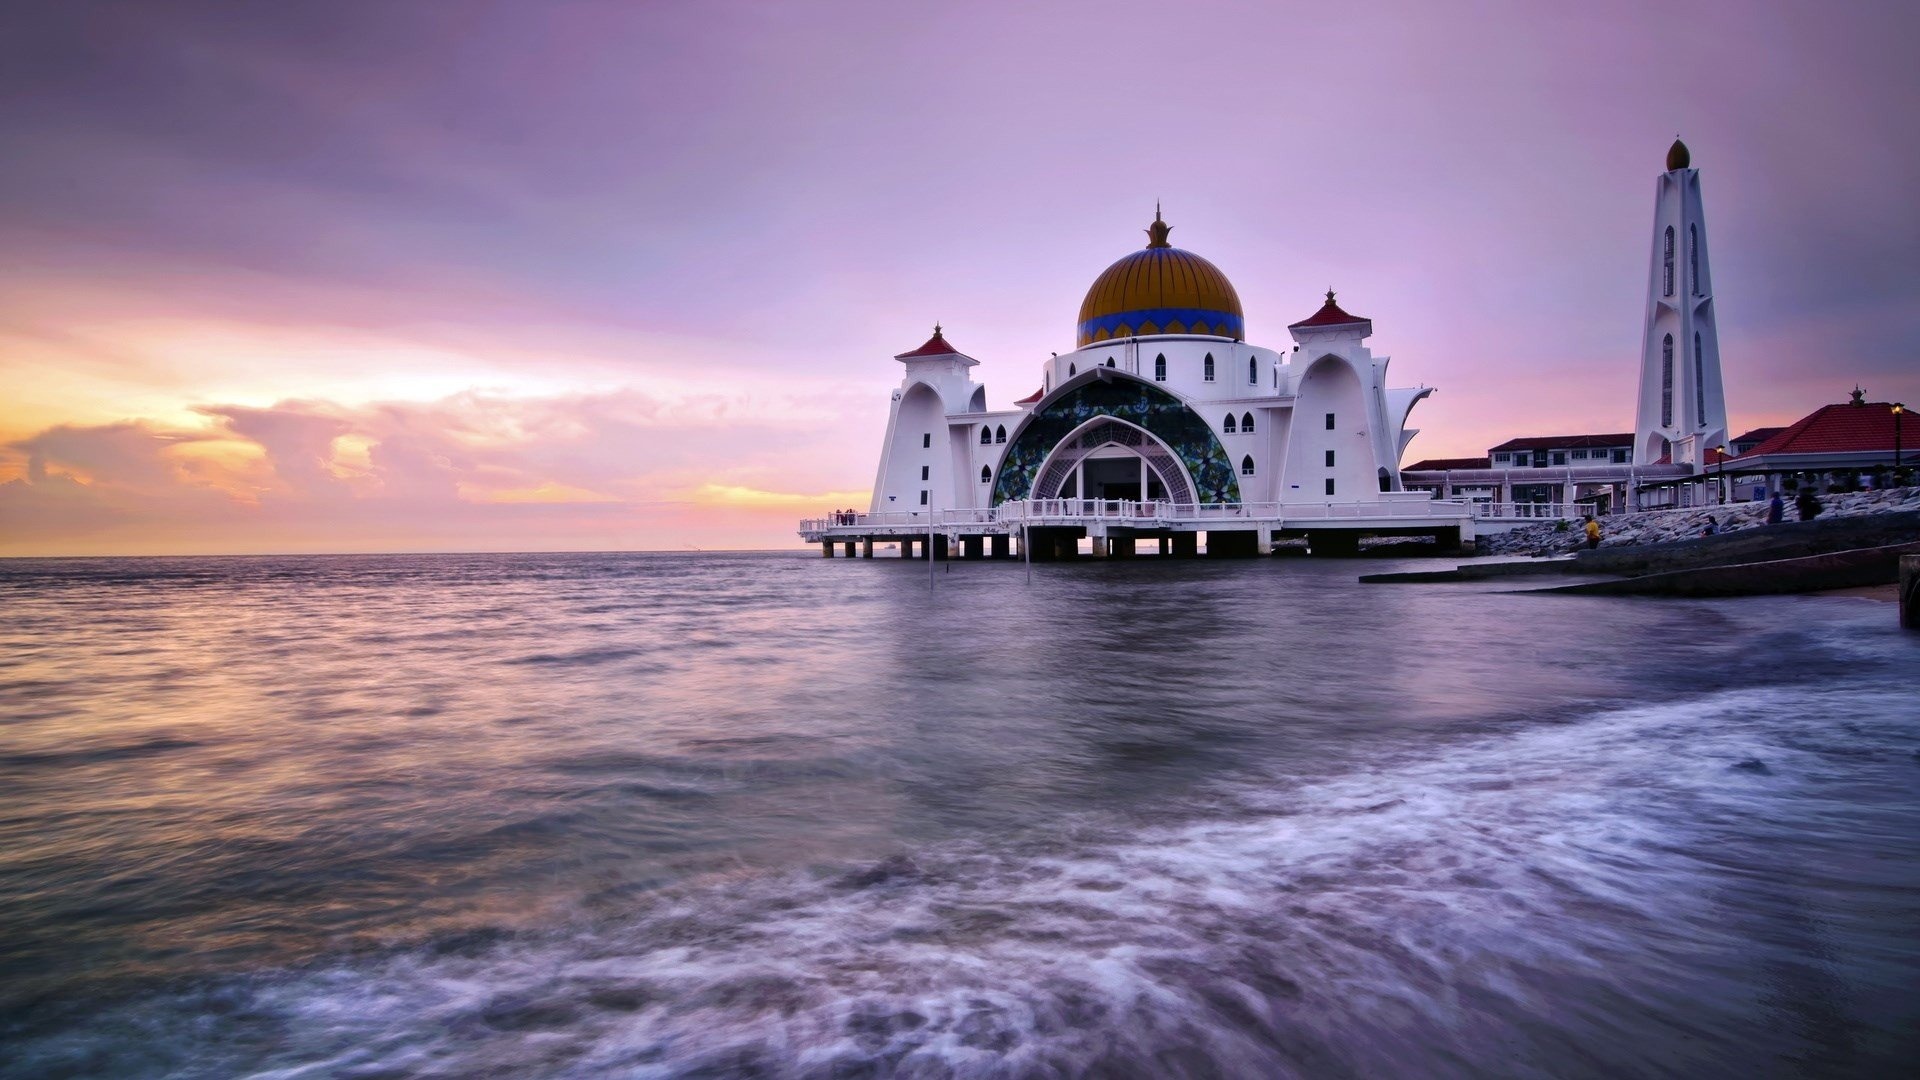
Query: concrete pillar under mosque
(826, 549)
(850, 549)
(973, 547)
(1186, 545)
(1002, 546)
(866, 547)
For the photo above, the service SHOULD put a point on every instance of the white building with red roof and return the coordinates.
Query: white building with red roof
(1852, 444)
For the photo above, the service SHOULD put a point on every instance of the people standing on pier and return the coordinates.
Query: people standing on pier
(1776, 509)
(1593, 532)
(1808, 504)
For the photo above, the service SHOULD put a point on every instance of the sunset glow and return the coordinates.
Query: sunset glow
(366, 277)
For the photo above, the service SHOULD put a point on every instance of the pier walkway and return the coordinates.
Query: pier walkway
(1053, 528)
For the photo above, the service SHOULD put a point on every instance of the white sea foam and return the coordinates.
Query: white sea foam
(1531, 902)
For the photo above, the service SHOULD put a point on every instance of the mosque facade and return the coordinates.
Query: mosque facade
(1163, 423)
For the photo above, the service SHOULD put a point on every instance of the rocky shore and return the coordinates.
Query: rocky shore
(1665, 526)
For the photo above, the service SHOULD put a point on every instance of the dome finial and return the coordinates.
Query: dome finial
(1677, 155)
(1157, 232)
(1329, 294)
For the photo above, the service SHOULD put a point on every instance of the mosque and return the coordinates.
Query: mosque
(1164, 425)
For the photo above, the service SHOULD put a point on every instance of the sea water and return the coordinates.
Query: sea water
(774, 815)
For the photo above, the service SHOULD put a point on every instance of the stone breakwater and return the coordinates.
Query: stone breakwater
(1662, 526)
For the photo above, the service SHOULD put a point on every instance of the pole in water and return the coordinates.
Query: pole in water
(1026, 548)
(931, 578)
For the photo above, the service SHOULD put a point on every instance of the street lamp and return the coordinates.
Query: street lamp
(1899, 407)
(1722, 463)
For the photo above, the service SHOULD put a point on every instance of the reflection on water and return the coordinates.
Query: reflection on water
(741, 815)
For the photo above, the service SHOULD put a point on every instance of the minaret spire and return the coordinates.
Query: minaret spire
(1157, 232)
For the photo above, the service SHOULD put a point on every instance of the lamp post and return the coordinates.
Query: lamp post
(1722, 463)
(1899, 408)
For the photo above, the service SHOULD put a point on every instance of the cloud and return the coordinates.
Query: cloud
(126, 455)
(471, 470)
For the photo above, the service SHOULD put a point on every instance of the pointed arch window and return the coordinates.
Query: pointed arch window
(1227, 424)
(1000, 433)
(1246, 465)
(1699, 383)
(986, 436)
(1666, 287)
(1246, 424)
(986, 475)
(1693, 257)
(1253, 371)
(1160, 368)
(1109, 361)
(1206, 369)
(1666, 383)
(1072, 371)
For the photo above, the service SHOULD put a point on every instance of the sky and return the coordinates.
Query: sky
(423, 276)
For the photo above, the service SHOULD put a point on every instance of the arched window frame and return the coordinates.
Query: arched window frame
(986, 435)
(1667, 263)
(1227, 425)
(1246, 465)
(1160, 368)
(1206, 368)
(1666, 382)
(1000, 433)
(1109, 361)
(1246, 424)
(1253, 371)
(1699, 382)
(1693, 257)
(986, 474)
(1072, 370)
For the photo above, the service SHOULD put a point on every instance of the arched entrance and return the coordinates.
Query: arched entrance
(1107, 458)
(1103, 394)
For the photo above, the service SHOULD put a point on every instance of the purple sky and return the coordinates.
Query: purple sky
(284, 276)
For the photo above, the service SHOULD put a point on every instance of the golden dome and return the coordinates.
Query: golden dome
(1160, 290)
(1677, 155)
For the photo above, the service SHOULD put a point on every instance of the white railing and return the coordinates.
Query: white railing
(1154, 512)
(1499, 511)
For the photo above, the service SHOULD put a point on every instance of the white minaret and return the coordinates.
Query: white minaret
(1683, 407)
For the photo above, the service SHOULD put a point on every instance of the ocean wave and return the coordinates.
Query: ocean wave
(1566, 899)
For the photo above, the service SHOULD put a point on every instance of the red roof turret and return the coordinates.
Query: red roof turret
(935, 346)
(1328, 315)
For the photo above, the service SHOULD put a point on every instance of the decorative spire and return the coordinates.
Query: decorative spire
(1859, 395)
(1157, 232)
(936, 329)
(1329, 294)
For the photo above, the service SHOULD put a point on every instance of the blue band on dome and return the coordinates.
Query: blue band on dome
(1196, 321)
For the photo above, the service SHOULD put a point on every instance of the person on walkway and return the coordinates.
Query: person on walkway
(1776, 510)
(1712, 526)
(1808, 504)
(1593, 532)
